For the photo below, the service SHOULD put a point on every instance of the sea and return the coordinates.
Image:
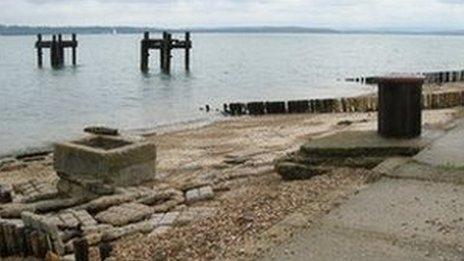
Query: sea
(41, 106)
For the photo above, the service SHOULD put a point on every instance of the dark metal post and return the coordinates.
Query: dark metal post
(400, 108)
(74, 51)
(187, 51)
(39, 51)
(144, 52)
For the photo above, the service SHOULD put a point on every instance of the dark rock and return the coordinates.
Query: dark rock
(102, 131)
(344, 123)
(295, 171)
(33, 154)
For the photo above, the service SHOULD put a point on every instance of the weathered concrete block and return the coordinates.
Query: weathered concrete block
(34, 190)
(73, 219)
(124, 214)
(140, 227)
(199, 194)
(44, 226)
(115, 160)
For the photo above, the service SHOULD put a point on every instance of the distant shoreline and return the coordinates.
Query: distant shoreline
(18, 30)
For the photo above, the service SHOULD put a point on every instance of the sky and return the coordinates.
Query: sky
(336, 14)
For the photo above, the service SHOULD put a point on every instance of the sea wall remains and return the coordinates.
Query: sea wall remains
(430, 101)
(430, 78)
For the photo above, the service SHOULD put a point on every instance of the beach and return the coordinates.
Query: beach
(235, 156)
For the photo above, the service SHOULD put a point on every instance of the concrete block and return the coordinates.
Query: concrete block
(124, 214)
(117, 161)
(199, 194)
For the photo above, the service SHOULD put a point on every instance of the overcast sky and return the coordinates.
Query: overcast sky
(338, 14)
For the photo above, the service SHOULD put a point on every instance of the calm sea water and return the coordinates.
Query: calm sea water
(39, 106)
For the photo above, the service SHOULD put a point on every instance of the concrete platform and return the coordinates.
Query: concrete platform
(420, 171)
(409, 209)
(446, 151)
(391, 220)
(415, 212)
(331, 244)
(363, 143)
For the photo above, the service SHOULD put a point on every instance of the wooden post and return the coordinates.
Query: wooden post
(81, 249)
(39, 51)
(53, 52)
(60, 51)
(144, 52)
(74, 51)
(187, 51)
(167, 54)
(162, 51)
(400, 108)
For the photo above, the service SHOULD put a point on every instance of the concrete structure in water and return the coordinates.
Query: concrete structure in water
(165, 45)
(98, 163)
(57, 46)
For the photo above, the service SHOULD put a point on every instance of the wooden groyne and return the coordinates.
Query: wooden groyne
(430, 77)
(57, 46)
(165, 46)
(430, 101)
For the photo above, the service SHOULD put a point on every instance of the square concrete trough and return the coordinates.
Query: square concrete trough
(117, 161)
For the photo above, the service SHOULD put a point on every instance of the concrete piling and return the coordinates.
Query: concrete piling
(57, 48)
(165, 47)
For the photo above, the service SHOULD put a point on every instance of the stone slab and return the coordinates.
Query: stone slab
(416, 210)
(199, 194)
(35, 190)
(363, 143)
(446, 151)
(124, 214)
(74, 219)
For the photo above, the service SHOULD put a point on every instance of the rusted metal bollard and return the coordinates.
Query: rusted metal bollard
(400, 107)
